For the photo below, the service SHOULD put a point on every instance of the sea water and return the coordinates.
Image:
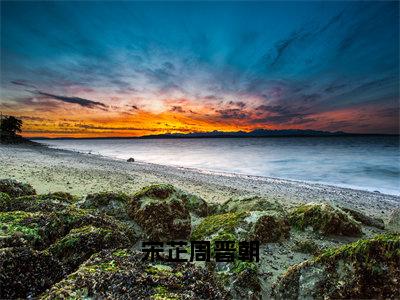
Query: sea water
(363, 162)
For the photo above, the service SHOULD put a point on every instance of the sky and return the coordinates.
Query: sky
(93, 69)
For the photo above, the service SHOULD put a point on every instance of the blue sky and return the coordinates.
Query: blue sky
(318, 65)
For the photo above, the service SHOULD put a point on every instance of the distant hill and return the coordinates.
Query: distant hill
(258, 133)
(254, 133)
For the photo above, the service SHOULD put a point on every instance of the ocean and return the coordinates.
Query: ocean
(362, 162)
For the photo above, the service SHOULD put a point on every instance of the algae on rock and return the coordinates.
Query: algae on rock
(16, 188)
(161, 212)
(368, 268)
(325, 219)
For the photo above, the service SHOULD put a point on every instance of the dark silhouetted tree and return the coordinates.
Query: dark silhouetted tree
(10, 126)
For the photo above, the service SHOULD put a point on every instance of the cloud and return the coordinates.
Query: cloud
(232, 113)
(177, 108)
(75, 100)
(23, 83)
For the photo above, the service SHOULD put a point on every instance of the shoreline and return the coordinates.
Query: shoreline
(51, 169)
(243, 176)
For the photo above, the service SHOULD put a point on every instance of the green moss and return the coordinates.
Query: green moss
(155, 191)
(14, 222)
(162, 293)
(383, 245)
(306, 246)
(4, 201)
(105, 198)
(108, 266)
(121, 253)
(240, 266)
(325, 219)
(163, 271)
(226, 223)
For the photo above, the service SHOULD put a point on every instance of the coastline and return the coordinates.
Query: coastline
(50, 170)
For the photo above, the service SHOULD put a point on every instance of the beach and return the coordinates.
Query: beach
(63, 212)
(52, 170)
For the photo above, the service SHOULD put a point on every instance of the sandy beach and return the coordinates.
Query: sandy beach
(51, 170)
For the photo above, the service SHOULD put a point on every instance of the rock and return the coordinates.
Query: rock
(363, 269)
(80, 243)
(394, 221)
(131, 159)
(246, 285)
(366, 220)
(325, 219)
(41, 229)
(4, 201)
(113, 204)
(25, 273)
(263, 226)
(251, 204)
(15, 188)
(306, 246)
(122, 274)
(194, 204)
(39, 203)
(270, 227)
(162, 213)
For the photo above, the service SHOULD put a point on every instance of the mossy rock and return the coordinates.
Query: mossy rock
(40, 229)
(168, 192)
(39, 203)
(255, 203)
(161, 212)
(4, 201)
(16, 188)
(80, 243)
(325, 219)
(364, 219)
(270, 227)
(114, 276)
(306, 246)
(113, 204)
(368, 268)
(263, 226)
(25, 273)
(214, 225)
(394, 221)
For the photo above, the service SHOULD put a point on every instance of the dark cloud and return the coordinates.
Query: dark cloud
(232, 113)
(75, 100)
(239, 104)
(335, 87)
(88, 126)
(177, 108)
(23, 83)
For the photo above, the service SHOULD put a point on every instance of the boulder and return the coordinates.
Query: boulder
(41, 229)
(394, 221)
(251, 204)
(122, 274)
(131, 159)
(263, 226)
(80, 243)
(25, 273)
(4, 201)
(325, 219)
(39, 203)
(113, 204)
(15, 188)
(364, 219)
(161, 213)
(363, 269)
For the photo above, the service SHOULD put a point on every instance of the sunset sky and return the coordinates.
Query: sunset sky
(90, 69)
